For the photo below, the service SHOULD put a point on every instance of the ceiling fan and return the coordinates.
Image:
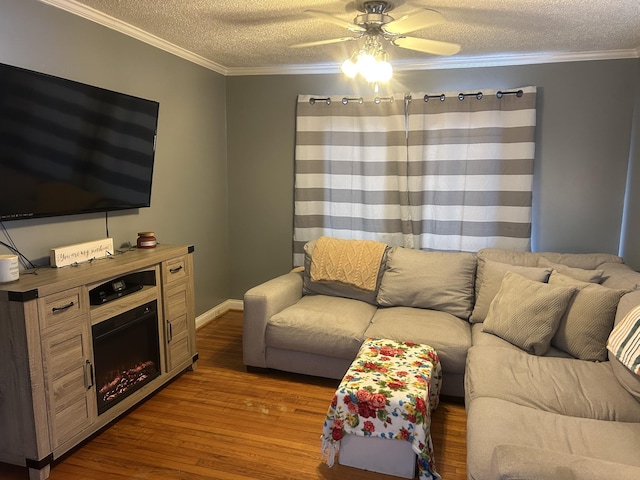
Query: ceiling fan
(374, 22)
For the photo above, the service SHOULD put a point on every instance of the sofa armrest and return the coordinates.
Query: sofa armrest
(260, 304)
(517, 462)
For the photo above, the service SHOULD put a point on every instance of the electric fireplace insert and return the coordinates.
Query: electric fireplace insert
(126, 354)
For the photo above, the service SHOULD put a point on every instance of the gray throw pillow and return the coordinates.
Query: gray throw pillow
(489, 279)
(527, 313)
(591, 276)
(588, 320)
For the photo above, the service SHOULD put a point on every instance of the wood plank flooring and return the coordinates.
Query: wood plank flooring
(221, 422)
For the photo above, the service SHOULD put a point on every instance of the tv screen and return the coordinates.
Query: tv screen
(68, 148)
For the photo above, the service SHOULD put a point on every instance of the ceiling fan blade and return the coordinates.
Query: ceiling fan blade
(414, 21)
(427, 46)
(322, 42)
(327, 17)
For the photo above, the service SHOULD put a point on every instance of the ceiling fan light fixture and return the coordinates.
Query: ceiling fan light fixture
(366, 63)
(349, 68)
(372, 62)
(384, 71)
(376, 27)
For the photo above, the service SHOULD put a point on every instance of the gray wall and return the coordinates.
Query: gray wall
(223, 178)
(189, 197)
(631, 232)
(585, 112)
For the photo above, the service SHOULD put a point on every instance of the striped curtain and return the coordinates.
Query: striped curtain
(471, 169)
(437, 175)
(350, 170)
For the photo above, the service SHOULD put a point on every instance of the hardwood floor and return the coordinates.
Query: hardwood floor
(220, 422)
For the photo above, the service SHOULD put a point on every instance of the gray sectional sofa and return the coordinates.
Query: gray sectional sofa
(521, 337)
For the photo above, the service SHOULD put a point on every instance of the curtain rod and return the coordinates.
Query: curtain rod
(442, 97)
(346, 100)
(478, 95)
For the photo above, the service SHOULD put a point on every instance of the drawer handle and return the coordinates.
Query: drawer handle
(175, 270)
(62, 309)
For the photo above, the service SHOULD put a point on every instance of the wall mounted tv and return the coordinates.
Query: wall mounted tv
(69, 148)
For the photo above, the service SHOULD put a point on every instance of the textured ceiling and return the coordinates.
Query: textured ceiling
(244, 36)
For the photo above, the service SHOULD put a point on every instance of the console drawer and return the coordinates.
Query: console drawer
(60, 307)
(175, 269)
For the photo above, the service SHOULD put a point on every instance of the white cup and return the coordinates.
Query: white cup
(9, 271)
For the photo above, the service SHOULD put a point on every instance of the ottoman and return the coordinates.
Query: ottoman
(380, 416)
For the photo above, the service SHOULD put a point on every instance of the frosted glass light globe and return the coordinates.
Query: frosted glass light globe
(349, 68)
(365, 63)
(385, 71)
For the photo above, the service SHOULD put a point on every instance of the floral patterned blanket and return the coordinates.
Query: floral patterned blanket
(388, 392)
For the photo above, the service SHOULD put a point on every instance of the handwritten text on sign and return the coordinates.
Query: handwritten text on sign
(81, 252)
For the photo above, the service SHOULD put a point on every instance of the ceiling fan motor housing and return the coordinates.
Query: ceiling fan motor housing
(372, 20)
(369, 6)
(374, 16)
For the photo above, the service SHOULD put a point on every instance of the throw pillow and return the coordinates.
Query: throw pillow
(591, 276)
(588, 320)
(624, 341)
(490, 275)
(437, 280)
(526, 312)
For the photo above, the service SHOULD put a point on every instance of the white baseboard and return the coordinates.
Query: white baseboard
(217, 311)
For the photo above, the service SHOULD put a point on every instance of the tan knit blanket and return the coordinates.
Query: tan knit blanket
(353, 262)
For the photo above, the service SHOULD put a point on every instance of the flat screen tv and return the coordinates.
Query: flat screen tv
(69, 148)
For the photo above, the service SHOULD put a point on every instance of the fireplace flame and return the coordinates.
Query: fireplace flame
(125, 379)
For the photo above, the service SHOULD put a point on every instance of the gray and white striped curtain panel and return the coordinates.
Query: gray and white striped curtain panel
(453, 173)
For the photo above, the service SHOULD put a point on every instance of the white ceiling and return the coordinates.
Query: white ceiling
(243, 37)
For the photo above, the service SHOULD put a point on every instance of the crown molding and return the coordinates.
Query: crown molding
(137, 33)
(439, 63)
(301, 69)
(511, 59)
(454, 62)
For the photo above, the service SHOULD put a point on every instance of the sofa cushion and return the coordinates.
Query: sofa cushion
(587, 261)
(527, 313)
(588, 320)
(619, 275)
(478, 337)
(437, 280)
(336, 289)
(591, 276)
(321, 324)
(489, 280)
(449, 335)
(627, 379)
(515, 462)
(558, 385)
(492, 422)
